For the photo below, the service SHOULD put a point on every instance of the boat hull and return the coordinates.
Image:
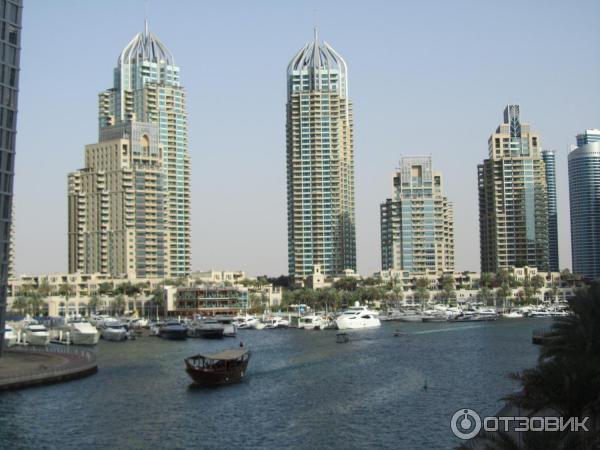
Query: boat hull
(79, 338)
(38, 338)
(209, 378)
(174, 335)
(357, 324)
(114, 335)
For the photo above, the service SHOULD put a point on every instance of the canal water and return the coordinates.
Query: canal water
(303, 390)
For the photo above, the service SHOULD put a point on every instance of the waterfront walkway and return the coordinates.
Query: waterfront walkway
(35, 366)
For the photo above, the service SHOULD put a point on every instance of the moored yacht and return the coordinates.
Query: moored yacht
(37, 334)
(10, 337)
(357, 317)
(207, 328)
(312, 322)
(83, 333)
(276, 322)
(173, 330)
(229, 327)
(114, 330)
(245, 322)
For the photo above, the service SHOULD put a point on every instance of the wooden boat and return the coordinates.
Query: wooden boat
(226, 367)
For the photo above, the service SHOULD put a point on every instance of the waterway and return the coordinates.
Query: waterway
(303, 390)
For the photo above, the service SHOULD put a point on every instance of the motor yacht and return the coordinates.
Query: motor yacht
(312, 322)
(276, 322)
(114, 330)
(37, 334)
(245, 322)
(10, 337)
(358, 317)
(513, 315)
(82, 332)
(174, 330)
(229, 327)
(207, 328)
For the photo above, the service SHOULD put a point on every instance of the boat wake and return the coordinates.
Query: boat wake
(441, 330)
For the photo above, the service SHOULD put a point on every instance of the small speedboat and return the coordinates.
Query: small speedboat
(312, 322)
(225, 367)
(173, 330)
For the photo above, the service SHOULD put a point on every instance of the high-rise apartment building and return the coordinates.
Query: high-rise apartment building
(320, 163)
(584, 200)
(10, 37)
(417, 223)
(513, 206)
(550, 170)
(116, 205)
(147, 89)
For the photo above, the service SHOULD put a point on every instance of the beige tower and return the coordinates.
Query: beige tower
(417, 223)
(116, 211)
(513, 206)
(320, 164)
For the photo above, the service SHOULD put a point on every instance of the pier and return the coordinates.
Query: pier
(36, 366)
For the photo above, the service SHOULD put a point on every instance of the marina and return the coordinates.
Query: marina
(297, 380)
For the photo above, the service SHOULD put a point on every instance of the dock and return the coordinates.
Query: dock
(25, 367)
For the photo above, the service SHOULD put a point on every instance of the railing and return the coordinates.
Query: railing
(83, 361)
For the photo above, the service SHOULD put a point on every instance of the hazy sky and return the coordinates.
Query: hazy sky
(426, 77)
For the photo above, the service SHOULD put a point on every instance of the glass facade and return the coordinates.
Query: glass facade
(320, 164)
(584, 200)
(550, 167)
(10, 40)
(513, 203)
(417, 226)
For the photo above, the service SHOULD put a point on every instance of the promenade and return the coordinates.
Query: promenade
(35, 366)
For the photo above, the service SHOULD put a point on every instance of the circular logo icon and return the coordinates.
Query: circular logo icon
(465, 424)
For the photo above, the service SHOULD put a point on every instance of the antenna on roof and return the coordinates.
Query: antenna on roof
(315, 20)
(146, 18)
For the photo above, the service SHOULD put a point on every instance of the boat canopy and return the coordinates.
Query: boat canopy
(225, 355)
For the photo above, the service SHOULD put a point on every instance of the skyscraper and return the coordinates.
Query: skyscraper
(147, 89)
(116, 207)
(550, 171)
(320, 163)
(584, 200)
(10, 36)
(417, 223)
(513, 208)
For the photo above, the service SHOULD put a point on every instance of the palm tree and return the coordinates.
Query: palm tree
(448, 288)
(503, 291)
(422, 292)
(118, 304)
(66, 290)
(567, 377)
(20, 304)
(537, 283)
(485, 294)
(94, 302)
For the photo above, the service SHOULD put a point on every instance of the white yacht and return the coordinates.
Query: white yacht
(37, 335)
(10, 337)
(358, 317)
(513, 315)
(245, 322)
(114, 331)
(276, 322)
(83, 333)
(312, 322)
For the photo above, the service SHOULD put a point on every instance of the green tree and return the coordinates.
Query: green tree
(504, 291)
(485, 295)
(35, 303)
(487, 279)
(20, 304)
(537, 283)
(94, 302)
(422, 290)
(67, 291)
(105, 288)
(448, 291)
(118, 304)
(346, 284)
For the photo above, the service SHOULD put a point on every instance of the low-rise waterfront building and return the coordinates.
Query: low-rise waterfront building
(205, 300)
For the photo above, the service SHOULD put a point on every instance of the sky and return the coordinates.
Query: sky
(426, 78)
